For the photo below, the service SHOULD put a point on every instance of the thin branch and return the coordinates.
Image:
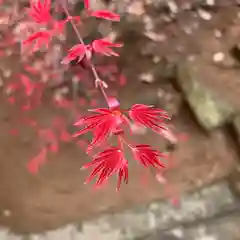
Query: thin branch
(98, 82)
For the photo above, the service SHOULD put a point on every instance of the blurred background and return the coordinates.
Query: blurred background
(180, 55)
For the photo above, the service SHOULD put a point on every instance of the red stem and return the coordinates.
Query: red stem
(94, 71)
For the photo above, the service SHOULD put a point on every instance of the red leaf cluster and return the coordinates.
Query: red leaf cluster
(81, 51)
(108, 122)
(105, 123)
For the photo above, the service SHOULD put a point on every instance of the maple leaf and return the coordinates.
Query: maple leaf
(149, 116)
(103, 124)
(35, 163)
(105, 14)
(87, 4)
(83, 52)
(40, 11)
(40, 38)
(78, 51)
(104, 46)
(105, 164)
(28, 85)
(147, 156)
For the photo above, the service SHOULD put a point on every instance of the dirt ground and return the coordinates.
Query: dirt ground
(57, 195)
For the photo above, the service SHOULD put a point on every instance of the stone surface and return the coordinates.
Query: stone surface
(12, 236)
(3, 233)
(225, 228)
(210, 110)
(221, 229)
(65, 233)
(236, 124)
(194, 219)
(200, 205)
(139, 93)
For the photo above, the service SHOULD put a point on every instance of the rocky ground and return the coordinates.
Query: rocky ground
(201, 215)
(184, 57)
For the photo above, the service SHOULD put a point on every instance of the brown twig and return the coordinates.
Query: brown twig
(97, 82)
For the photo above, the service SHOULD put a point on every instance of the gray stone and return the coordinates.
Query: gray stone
(196, 206)
(171, 235)
(3, 233)
(65, 233)
(225, 228)
(12, 236)
(26, 237)
(100, 230)
(138, 222)
(210, 110)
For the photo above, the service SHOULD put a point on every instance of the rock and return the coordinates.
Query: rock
(216, 229)
(236, 125)
(210, 111)
(165, 69)
(136, 8)
(3, 233)
(64, 233)
(12, 236)
(97, 5)
(203, 204)
(141, 93)
(100, 230)
(158, 220)
(161, 215)
(169, 99)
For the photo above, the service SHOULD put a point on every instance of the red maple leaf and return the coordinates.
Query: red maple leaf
(35, 163)
(28, 84)
(84, 52)
(40, 11)
(149, 116)
(78, 51)
(103, 124)
(105, 164)
(147, 156)
(87, 4)
(104, 46)
(40, 39)
(105, 14)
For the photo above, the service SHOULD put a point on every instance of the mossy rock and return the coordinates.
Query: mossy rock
(209, 109)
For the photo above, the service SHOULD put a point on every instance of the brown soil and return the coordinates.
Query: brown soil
(57, 195)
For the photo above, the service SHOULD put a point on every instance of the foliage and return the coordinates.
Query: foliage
(38, 29)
